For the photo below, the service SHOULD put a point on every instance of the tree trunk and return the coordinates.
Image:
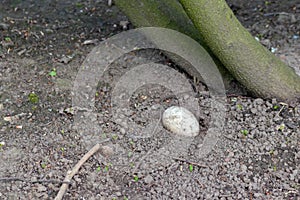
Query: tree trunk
(168, 14)
(251, 64)
(221, 34)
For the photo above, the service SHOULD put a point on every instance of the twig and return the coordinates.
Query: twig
(276, 13)
(70, 174)
(190, 162)
(11, 179)
(283, 106)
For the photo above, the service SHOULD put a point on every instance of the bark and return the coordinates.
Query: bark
(167, 14)
(251, 64)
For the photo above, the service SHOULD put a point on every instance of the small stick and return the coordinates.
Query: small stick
(192, 163)
(283, 106)
(11, 179)
(70, 174)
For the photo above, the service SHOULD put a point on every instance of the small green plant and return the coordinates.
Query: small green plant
(275, 107)
(43, 165)
(62, 132)
(281, 127)
(274, 168)
(33, 98)
(115, 137)
(106, 168)
(234, 99)
(191, 167)
(245, 132)
(62, 149)
(79, 5)
(135, 178)
(7, 39)
(131, 165)
(125, 198)
(52, 73)
(2, 144)
(239, 107)
(98, 169)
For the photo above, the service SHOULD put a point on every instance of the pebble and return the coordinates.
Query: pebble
(180, 121)
(148, 179)
(41, 188)
(107, 151)
(4, 26)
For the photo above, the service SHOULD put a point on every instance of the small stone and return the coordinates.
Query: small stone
(148, 179)
(244, 168)
(4, 26)
(254, 110)
(283, 145)
(258, 101)
(107, 151)
(180, 121)
(118, 194)
(41, 188)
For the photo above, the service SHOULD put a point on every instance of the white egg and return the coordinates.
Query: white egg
(180, 121)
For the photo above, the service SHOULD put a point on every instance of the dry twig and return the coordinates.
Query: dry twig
(70, 174)
(11, 179)
(189, 162)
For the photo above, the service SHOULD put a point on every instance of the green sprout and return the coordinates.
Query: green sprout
(125, 198)
(135, 178)
(106, 168)
(245, 132)
(79, 5)
(115, 137)
(131, 165)
(33, 98)
(281, 127)
(43, 165)
(52, 73)
(7, 39)
(191, 167)
(239, 107)
(131, 142)
(234, 99)
(98, 169)
(275, 107)
(2, 144)
(62, 149)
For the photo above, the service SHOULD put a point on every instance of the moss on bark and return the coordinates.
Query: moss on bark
(252, 65)
(214, 26)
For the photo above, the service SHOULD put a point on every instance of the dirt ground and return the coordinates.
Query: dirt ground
(42, 46)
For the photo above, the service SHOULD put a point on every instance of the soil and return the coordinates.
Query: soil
(43, 45)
